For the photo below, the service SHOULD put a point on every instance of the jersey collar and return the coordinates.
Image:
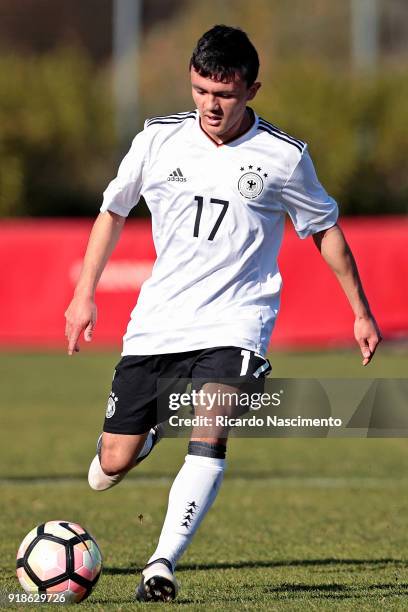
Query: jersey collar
(202, 134)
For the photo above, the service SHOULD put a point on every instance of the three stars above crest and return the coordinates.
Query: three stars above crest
(250, 167)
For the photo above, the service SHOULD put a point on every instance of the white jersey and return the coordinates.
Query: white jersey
(218, 214)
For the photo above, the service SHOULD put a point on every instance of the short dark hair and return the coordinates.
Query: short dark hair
(222, 52)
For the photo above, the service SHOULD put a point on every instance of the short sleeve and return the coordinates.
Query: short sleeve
(123, 193)
(306, 201)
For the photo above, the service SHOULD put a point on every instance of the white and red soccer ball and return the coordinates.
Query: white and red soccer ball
(61, 558)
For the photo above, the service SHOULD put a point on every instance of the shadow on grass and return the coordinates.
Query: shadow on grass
(287, 591)
(186, 567)
(121, 571)
(338, 591)
(293, 563)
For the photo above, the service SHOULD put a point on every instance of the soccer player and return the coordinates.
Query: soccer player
(219, 182)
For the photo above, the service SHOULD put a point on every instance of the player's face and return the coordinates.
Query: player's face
(222, 105)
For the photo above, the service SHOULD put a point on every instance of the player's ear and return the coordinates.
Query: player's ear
(253, 90)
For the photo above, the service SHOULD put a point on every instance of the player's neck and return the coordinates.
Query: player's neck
(246, 123)
(236, 130)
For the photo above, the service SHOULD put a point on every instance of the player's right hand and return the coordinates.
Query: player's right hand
(80, 317)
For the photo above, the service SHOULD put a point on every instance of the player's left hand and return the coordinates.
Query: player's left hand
(368, 336)
(80, 317)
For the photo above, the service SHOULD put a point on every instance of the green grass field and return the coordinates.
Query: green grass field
(299, 524)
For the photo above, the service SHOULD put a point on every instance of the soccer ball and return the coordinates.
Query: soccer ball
(60, 561)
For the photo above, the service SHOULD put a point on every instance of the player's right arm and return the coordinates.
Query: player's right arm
(121, 195)
(81, 313)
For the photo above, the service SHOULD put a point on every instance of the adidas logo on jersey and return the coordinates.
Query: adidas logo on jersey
(177, 175)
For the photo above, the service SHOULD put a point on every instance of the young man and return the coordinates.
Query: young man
(219, 182)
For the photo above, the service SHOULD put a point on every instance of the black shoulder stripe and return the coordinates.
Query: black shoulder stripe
(170, 122)
(279, 131)
(281, 137)
(172, 118)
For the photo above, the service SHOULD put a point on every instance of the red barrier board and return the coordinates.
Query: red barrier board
(314, 310)
(40, 261)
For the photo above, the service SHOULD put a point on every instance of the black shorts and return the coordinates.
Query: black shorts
(140, 380)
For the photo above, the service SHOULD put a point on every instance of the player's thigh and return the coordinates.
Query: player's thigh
(139, 400)
(133, 403)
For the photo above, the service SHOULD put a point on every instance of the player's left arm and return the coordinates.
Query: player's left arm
(337, 254)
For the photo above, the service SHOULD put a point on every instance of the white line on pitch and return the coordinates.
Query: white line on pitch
(241, 481)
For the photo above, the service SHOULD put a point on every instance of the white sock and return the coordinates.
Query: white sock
(99, 481)
(191, 496)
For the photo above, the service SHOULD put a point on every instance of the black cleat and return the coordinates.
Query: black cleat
(158, 582)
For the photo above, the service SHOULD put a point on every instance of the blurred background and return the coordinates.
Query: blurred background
(78, 79)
